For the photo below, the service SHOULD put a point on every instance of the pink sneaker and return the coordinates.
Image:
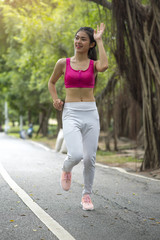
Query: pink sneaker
(66, 180)
(87, 203)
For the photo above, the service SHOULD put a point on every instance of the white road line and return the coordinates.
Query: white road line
(102, 165)
(124, 171)
(51, 224)
(40, 145)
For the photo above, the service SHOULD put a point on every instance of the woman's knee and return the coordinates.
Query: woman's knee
(89, 160)
(76, 156)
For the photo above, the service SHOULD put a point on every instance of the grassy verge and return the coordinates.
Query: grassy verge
(50, 141)
(114, 158)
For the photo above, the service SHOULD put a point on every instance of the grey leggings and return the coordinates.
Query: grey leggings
(81, 132)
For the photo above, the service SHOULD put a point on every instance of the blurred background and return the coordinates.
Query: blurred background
(34, 34)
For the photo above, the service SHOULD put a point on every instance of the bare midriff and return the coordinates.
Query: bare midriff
(79, 95)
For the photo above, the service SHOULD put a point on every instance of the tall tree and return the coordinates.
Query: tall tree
(138, 57)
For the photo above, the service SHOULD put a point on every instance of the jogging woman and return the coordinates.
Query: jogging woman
(80, 116)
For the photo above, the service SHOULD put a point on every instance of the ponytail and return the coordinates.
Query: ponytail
(92, 53)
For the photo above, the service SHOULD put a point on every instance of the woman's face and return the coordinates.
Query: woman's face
(82, 42)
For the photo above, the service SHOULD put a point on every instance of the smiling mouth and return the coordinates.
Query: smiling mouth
(78, 46)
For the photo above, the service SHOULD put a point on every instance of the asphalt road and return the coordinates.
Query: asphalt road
(32, 203)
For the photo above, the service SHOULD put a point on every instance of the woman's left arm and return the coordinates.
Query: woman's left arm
(102, 64)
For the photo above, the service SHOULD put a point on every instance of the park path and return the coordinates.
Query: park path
(126, 206)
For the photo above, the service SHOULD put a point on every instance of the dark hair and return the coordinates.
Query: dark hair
(92, 54)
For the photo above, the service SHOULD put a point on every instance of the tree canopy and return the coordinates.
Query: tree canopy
(35, 35)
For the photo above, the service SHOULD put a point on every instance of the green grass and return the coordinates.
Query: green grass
(49, 141)
(14, 134)
(104, 153)
(113, 157)
(52, 129)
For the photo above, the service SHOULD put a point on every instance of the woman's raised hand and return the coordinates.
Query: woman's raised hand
(99, 32)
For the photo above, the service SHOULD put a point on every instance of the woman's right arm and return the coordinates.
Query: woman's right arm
(57, 73)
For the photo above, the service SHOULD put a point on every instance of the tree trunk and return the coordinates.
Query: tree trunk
(152, 154)
(59, 120)
(138, 57)
(29, 117)
(44, 117)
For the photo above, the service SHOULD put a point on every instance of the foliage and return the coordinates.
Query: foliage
(36, 34)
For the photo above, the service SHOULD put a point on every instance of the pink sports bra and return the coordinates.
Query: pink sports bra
(79, 78)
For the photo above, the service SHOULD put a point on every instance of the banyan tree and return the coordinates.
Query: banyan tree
(137, 52)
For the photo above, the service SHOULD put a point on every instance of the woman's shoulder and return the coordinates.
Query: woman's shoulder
(61, 61)
(61, 64)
